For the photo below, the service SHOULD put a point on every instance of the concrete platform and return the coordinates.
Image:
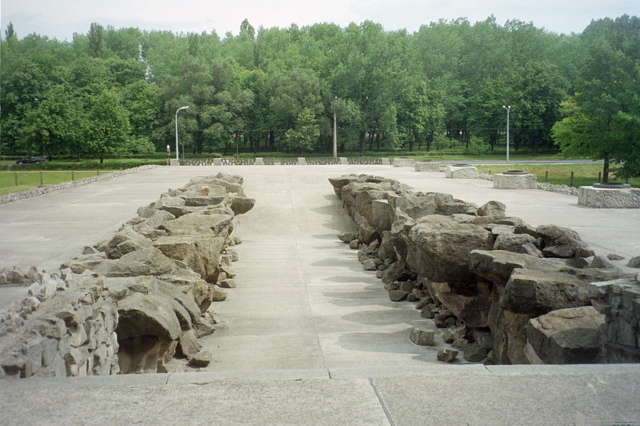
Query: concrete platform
(308, 337)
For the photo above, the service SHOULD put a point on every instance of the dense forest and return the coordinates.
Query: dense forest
(115, 92)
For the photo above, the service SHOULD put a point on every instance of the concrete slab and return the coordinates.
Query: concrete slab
(305, 309)
(298, 401)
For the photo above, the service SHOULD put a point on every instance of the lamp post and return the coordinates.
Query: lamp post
(335, 130)
(177, 149)
(508, 108)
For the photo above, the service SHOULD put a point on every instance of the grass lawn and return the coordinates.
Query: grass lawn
(30, 179)
(559, 174)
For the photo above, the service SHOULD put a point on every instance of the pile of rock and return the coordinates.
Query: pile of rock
(65, 327)
(148, 289)
(503, 291)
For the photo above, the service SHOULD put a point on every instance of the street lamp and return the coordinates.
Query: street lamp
(335, 130)
(508, 108)
(177, 149)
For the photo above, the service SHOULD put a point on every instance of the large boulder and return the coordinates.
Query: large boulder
(517, 243)
(205, 222)
(439, 248)
(536, 292)
(123, 242)
(497, 265)
(492, 208)
(566, 336)
(382, 214)
(200, 252)
(562, 242)
(415, 205)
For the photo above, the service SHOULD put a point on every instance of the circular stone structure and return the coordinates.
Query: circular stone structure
(611, 185)
(427, 166)
(609, 196)
(403, 162)
(461, 171)
(515, 179)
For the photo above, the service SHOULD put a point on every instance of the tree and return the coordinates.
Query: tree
(603, 122)
(108, 127)
(305, 132)
(96, 38)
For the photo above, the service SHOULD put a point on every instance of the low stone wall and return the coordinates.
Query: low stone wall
(609, 198)
(66, 327)
(131, 303)
(500, 290)
(620, 332)
(510, 181)
(46, 189)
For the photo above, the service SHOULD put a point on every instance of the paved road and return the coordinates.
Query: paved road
(308, 336)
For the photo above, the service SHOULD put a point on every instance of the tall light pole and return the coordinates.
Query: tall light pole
(508, 108)
(177, 149)
(335, 130)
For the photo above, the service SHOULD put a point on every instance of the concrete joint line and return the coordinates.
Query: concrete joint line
(382, 404)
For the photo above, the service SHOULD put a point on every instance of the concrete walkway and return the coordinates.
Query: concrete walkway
(308, 336)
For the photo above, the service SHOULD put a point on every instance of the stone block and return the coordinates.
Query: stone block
(423, 333)
(259, 161)
(514, 181)
(447, 355)
(609, 198)
(174, 162)
(385, 162)
(302, 161)
(461, 172)
(343, 160)
(427, 166)
(217, 161)
(404, 162)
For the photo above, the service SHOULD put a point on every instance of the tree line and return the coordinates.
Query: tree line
(112, 92)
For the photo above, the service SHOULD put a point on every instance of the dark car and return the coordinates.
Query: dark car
(32, 160)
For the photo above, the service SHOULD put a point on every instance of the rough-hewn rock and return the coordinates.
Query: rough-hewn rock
(537, 292)
(566, 336)
(438, 248)
(562, 242)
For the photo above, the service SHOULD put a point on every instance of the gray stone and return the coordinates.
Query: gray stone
(506, 181)
(602, 262)
(473, 352)
(562, 242)
(464, 172)
(439, 248)
(634, 262)
(201, 359)
(423, 337)
(566, 336)
(493, 208)
(604, 198)
(537, 292)
(447, 355)
(347, 237)
(398, 295)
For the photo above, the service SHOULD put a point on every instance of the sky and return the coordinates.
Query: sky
(62, 18)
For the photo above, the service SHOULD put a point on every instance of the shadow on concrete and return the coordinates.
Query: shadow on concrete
(381, 318)
(378, 342)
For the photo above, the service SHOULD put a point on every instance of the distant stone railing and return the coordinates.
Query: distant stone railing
(46, 189)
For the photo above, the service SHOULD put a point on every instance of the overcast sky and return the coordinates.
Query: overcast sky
(61, 18)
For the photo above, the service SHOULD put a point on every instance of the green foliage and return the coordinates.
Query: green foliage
(478, 146)
(277, 89)
(603, 119)
(303, 135)
(108, 128)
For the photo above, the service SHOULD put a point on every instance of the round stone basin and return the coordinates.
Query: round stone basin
(612, 185)
(515, 172)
